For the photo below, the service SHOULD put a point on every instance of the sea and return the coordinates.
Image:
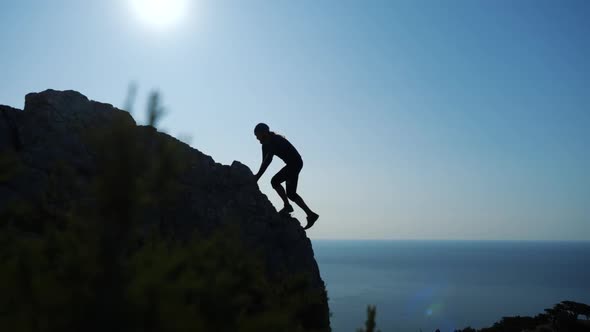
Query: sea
(427, 285)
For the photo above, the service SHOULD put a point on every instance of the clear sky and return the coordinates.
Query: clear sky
(415, 119)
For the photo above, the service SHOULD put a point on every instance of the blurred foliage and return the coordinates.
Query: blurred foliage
(94, 267)
(370, 323)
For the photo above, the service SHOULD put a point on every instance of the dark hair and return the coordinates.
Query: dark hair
(261, 128)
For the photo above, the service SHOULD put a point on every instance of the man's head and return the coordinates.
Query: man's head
(262, 132)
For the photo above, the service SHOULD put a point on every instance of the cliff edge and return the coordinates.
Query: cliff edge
(53, 152)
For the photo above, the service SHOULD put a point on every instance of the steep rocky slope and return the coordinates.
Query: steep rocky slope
(49, 142)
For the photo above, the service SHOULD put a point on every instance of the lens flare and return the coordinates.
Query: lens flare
(433, 309)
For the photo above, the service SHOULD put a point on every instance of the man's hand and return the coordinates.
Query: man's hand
(265, 162)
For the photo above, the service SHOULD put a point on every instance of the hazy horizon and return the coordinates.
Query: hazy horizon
(417, 120)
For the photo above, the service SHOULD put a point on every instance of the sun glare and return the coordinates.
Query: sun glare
(160, 13)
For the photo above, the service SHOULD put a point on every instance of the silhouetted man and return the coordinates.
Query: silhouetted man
(277, 145)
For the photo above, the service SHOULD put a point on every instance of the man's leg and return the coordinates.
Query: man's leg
(292, 194)
(312, 217)
(299, 201)
(292, 179)
(276, 181)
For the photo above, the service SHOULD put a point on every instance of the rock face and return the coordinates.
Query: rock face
(50, 130)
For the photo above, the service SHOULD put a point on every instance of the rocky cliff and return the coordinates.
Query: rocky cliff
(49, 141)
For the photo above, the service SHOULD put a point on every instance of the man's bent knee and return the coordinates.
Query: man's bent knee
(275, 182)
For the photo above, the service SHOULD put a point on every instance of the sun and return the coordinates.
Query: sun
(160, 13)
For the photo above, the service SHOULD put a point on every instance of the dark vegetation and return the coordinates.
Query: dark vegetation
(70, 266)
(370, 323)
(567, 316)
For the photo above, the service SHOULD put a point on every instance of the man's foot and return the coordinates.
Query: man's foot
(286, 210)
(311, 219)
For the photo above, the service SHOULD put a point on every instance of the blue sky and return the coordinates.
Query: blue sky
(415, 119)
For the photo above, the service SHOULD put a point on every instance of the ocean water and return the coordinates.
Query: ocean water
(425, 285)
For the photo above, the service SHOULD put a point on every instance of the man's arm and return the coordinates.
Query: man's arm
(266, 159)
